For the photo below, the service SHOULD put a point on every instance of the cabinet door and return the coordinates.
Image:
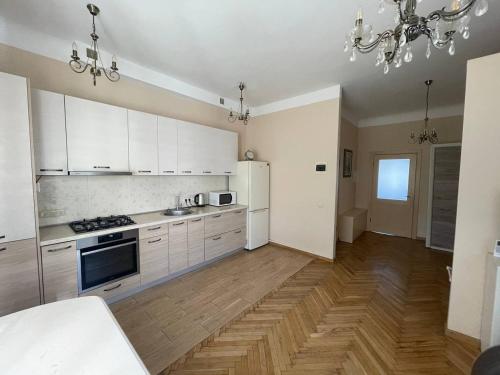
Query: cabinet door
(17, 210)
(196, 241)
(19, 287)
(143, 143)
(226, 152)
(177, 246)
(154, 258)
(97, 136)
(190, 143)
(59, 265)
(49, 133)
(167, 146)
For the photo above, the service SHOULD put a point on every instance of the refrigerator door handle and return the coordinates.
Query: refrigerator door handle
(261, 210)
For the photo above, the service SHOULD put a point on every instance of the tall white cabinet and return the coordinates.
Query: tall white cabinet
(19, 282)
(167, 146)
(49, 133)
(17, 220)
(97, 137)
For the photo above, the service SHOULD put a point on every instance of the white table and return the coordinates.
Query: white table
(76, 336)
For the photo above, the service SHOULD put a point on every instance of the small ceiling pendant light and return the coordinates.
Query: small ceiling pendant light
(425, 135)
(241, 116)
(94, 59)
(439, 26)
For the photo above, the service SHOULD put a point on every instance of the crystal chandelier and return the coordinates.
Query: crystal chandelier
(440, 27)
(242, 116)
(94, 60)
(425, 135)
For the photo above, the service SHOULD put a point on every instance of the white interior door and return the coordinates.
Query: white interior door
(393, 192)
(258, 229)
(259, 186)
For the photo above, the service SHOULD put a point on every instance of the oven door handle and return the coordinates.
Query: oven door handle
(106, 248)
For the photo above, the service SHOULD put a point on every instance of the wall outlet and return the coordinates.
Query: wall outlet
(52, 213)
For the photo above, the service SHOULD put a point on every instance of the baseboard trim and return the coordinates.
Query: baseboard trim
(301, 251)
(468, 340)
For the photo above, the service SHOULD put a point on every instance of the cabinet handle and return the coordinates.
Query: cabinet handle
(196, 220)
(237, 212)
(228, 172)
(155, 228)
(59, 249)
(186, 171)
(101, 167)
(3, 249)
(50, 170)
(113, 288)
(216, 216)
(158, 240)
(2, 237)
(238, 231)
(207, 172)
(144, 171)
(168, 171)
(216, 238)
(181, 223)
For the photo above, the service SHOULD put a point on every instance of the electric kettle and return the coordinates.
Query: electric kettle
(199, 200)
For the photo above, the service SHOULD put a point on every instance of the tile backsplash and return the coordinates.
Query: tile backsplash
(62, 199)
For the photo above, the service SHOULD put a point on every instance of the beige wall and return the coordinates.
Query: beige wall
(478, 216)
(394, 139)
(303, 202)
(347, 185)
(54, 75)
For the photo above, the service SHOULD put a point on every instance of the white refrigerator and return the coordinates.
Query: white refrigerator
(251, 184)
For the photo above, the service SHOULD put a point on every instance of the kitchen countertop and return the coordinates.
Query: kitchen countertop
(61, 233)
(75, 336)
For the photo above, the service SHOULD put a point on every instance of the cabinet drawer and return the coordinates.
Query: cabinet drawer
(178, 246)
(153, 231)
(224, 222)
(236, 239)
(116, 288)
(215, 246)
(153, 258)
(19, 287)
(59, 267)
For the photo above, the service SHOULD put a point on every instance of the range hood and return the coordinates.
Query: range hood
(99, 173)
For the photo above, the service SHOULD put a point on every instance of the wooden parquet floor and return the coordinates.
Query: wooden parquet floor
(379, 309)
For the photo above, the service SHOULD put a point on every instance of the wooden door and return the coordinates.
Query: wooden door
(393, 190)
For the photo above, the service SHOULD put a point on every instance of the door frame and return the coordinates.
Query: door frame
(416, 198)
(430, 193)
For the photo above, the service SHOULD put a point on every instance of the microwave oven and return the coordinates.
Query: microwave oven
(221, 198)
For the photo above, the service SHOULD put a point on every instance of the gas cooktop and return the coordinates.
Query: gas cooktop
(100, 223)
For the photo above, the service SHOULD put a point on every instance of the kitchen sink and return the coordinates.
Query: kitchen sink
(177, 212)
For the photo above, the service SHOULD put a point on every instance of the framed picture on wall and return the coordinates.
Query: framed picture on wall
(347, 170)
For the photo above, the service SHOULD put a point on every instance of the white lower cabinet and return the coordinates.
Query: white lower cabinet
(177, 246)
(153, 258)
(59, 269)
(19, 285)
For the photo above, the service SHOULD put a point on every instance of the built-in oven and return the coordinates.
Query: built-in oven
(107, 258)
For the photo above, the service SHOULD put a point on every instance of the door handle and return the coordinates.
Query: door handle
(113, 288)
(59, 249)
(50, 170)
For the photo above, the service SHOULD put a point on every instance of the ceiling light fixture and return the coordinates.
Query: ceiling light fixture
(242, 116)
(94, 59)
(425, 135)
(440, 27)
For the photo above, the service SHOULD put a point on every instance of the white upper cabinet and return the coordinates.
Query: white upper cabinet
(143, 143)
(17, 210)
(97, 137)
(167, 146)
(192, 144)
(226, 152)
(49, 133)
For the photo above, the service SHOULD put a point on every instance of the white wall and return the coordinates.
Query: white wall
(303, 203)
(79, 197)
(478, 216)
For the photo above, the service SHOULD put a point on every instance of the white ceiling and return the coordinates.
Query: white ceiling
(281, 48)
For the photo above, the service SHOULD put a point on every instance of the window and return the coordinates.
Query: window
(393, 179)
